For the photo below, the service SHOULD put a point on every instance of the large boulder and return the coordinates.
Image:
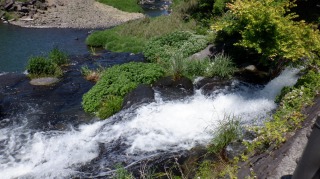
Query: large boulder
(252, 74)
(142, 94)
(209, 85)
(171, 88)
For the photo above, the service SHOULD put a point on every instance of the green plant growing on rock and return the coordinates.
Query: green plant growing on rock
(229, 130)
(105, 97)
(58, 57)
(42, 67)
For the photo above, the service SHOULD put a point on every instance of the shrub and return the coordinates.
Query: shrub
(40, 67)
(115, 83)
(269, 29)
(160, 49)
(221, 66)
(58, 57)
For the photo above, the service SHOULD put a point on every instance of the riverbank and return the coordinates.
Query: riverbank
(77, 14)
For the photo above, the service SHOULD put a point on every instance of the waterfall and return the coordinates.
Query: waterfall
(132, 135)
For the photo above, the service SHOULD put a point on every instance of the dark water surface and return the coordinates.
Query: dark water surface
(17, 44)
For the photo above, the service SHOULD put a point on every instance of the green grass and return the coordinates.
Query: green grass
(42, 67)
(134, 35)
(58, 57)
(124, 5)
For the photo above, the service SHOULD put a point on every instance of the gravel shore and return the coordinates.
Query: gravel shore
(77, 14)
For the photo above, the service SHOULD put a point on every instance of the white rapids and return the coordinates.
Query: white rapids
(162, 125)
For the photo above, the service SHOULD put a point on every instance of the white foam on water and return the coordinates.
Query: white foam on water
(162, 125)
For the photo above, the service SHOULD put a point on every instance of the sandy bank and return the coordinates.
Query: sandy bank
(77, 14)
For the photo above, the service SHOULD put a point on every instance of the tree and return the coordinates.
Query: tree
(269, 28)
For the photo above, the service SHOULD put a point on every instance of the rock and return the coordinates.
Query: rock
(208, 85)
(44, 81)
(209, 51)
(174, 89)
(24, 9)
(142, 94)
(251, 68)
(18, 7)
(41, 6)
(59, 3)
(234, 149)
(9, 4)
(251, 74)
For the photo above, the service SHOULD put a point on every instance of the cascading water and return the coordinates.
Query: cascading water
(131, 135)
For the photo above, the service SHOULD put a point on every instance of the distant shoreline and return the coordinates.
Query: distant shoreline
(84, 14)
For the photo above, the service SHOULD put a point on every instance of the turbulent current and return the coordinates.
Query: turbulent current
(133, 134)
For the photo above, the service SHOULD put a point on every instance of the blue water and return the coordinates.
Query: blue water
(18, 44)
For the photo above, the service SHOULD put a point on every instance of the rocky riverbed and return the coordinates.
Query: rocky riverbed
(66, 14)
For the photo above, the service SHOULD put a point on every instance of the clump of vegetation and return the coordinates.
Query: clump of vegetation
(91, 75)
(58, 57)
(105, 98)
(122, 173)
(124, 5)
(160, 50)
(41, 66)
(229, 130)
(222, 66)
(268, 28)
(133, 36)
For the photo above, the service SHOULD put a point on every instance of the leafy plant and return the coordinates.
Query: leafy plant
(115, 83)
(58, 57)
(186, 43)
(122, 173)
(221, 66)
(41, 67)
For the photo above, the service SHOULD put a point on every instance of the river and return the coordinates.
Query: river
(131, 137)
(31, 148)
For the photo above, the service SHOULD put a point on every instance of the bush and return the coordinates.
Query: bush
(269, 29)
(124, 5)
(221, 66)
(160, 49)
(115, 83)
(58, 57)
(41, 67)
